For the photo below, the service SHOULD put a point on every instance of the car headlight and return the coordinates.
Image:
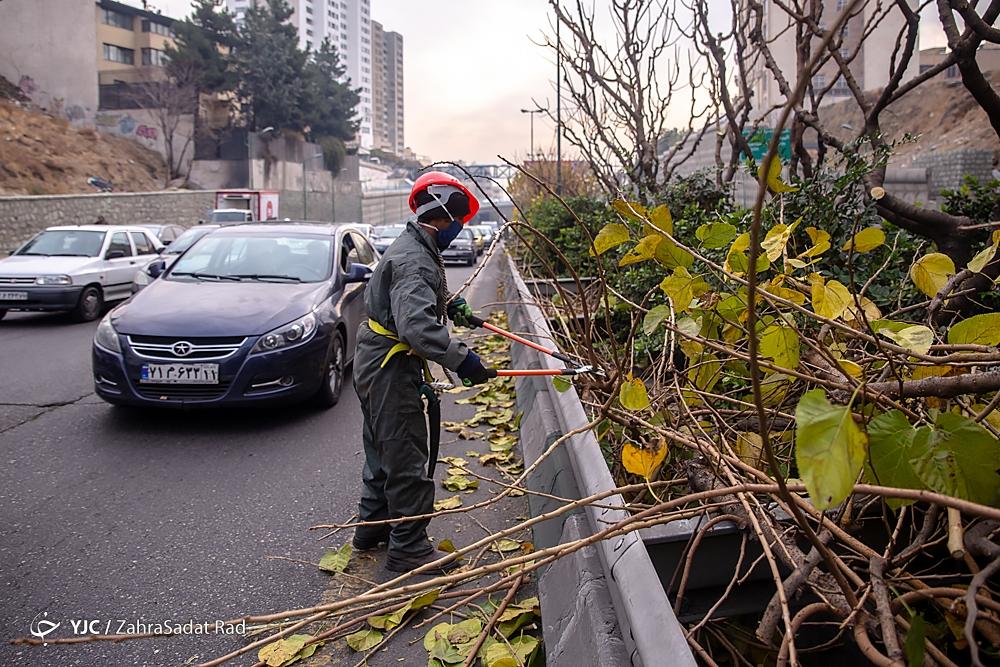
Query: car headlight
(53, 280)
(288, 335)
(106, 336)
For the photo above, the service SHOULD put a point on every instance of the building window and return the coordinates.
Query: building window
(117, 54)
(819, 81)
(841, 4)
(156, 28)
(154, 58)
(951, 72)
(116, 19)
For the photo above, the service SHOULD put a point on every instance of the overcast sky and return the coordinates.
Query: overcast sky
(470, 66)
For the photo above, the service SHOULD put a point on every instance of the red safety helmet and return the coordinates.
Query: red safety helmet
(439, 178)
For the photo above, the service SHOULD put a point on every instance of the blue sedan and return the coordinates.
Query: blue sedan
(249, 314)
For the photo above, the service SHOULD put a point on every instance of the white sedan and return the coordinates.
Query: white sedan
(75, 268)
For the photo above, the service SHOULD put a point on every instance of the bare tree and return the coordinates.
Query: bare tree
(169, 99)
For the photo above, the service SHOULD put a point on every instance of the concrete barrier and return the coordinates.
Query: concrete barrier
(604, 604)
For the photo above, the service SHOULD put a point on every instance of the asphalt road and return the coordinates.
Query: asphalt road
(153, 516)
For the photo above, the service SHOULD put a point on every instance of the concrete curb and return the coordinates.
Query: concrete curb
(603, 605)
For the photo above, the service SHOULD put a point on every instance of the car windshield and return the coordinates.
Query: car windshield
(229, 216)
(186, 240)
(465, 234)
(388, 232)
(65, 243)
(299, 258)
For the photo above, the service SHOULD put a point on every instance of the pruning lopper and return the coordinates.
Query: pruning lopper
(503, 372)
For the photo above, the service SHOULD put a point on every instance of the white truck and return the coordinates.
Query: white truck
(233, 206)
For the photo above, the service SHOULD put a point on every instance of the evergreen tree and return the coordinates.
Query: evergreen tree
(330, 101)
(269, 66)
(199, 51)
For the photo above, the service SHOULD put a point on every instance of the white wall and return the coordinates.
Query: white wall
(47, 47)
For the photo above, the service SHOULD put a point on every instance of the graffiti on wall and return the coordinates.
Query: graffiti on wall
(126, 125)
(146, 132)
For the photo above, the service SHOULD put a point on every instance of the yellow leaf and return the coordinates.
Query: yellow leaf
(869, 308)
(793, 295)
(931, 272)
(643, 250)
(643, 462)
(774, 182)
(781, 345)
(633, 395)
(977, 330)
(775, 241)
(451, 503)
(821, 242)
(830, 300)
(982, 258)
(917, 338)
(681, 287)
(610, 236)
(661, 220)
(288, 650)
(866, 240)
(749, 447)
(851, 368)
(630, 210)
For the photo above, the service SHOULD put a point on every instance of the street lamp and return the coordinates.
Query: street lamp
(531, 113)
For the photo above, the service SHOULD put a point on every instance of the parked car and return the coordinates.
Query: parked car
(250, 314)
(75, 268)
(365, 229)
(230, 215)
(462, 249)
(170, 254)
(478, 239)
(383, 236)
(165, 234)
(487, 233)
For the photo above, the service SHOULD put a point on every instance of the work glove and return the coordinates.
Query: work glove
(460, 312)
(472, 370)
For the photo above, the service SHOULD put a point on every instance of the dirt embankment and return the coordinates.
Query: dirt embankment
(42, 155)
(941, 114)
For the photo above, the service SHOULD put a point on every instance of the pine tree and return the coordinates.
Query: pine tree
(200, 48)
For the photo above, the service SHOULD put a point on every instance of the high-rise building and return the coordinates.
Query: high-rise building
(867, 41)
(387, 89)
(347, 24)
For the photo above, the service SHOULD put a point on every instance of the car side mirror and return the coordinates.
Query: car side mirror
(357, 273)
(156, 268)
(114, 254)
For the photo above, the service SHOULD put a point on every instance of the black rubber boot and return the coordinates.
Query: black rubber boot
(366, 541)
(395, 563)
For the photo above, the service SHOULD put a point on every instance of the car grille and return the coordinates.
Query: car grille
(17, 280)
(196, 392)
(185, 349)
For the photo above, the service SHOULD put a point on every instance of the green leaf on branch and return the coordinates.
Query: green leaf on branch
(866, 240)
(671, 255)
(913, 645)
(890, 444)
(336, 561)
(633, 395)
(915, 338)
(977, 330)
(829, 449)
(364, 640)
(982, 258)
(654, 318)
(959, 458)
(780, 344)
(389, 621)
(611, 235)
(931, 272)
(715, 234)
(499, 654)
(561, 384)
(644, 250)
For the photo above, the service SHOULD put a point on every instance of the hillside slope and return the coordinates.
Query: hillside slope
(42, 154)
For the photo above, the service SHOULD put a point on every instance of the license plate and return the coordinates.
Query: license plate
(179, 374)
(13, 296)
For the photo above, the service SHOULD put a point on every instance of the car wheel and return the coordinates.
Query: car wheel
(90, 305)
(333, 378)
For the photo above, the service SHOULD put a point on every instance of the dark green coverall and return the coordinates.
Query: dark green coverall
(405, 295)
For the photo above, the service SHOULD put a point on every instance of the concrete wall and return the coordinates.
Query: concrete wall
(945, 170)
(385, 208)
(142, 125)
(47, 48)
(22, 217)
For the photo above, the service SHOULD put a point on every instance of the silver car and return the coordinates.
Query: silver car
(75, 268)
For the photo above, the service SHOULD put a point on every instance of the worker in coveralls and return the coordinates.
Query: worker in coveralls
(406, 299)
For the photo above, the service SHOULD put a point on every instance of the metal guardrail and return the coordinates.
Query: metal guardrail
(644, 612)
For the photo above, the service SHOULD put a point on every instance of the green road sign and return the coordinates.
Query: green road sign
(762, 138)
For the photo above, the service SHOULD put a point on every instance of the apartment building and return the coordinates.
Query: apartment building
(867, 42)
(387, 89)
(347, 24)
(987, 57)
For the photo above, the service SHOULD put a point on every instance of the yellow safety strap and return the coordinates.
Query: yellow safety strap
(400, 346)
